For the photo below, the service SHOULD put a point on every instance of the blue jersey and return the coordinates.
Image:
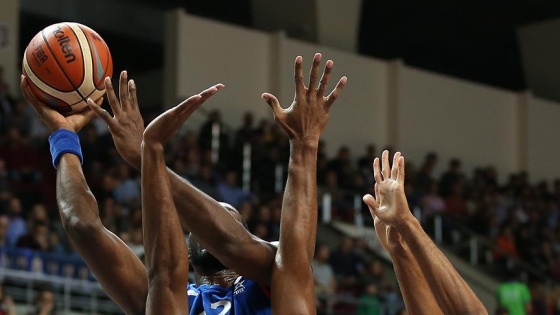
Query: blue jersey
(244, 297)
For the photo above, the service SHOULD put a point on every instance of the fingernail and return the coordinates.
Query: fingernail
(317, 57)
(299, 59)
(132, 84)
(125, 74)
(330, 64)
(343, 80)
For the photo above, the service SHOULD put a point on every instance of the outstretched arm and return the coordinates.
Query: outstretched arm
(451, 292)
(166, 250)
(121, 274)
(228, 241)
(304, 121)
(413, 285)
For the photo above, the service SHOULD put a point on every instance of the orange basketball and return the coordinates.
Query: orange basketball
(65, 64)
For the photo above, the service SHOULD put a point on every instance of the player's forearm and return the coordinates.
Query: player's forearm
(452, 293)
(76, 203)
(299, 206)
(413, 285)
(166, 253)
(217, 230)
(200, 213)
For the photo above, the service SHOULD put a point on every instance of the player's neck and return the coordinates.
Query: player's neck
(223, 278)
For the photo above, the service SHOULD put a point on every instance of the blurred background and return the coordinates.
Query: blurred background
(465, 89)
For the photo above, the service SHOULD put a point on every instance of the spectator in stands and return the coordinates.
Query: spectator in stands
(5, 187)
(514, 296)
(22, 159)
(21, 118)
(229, 190)
(16, 226)
(345, 263)
(7, 306)
(45, 303)
(7, 103)
(342, 166)
(245, 134)
(205, 181)
(424, 177)
(325, 281)
(502, 311)
(38, 214)
(393, 300)
(506, 245)
(456, 204)
(370, 303)
(127, 192)
(37, 239)
(136, 242)
(341, 209)
(432, 203)
(541, 302)
(450, 178)
(374, 273)
(4, 222)
(55, 245)
(365, 163)
(527, 242)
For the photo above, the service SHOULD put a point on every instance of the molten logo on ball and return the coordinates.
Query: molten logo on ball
(64, 43)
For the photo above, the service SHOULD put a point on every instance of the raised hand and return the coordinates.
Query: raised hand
(167, 124)
(53, 119)
(127, 125)
(306, 118)
(389, 204)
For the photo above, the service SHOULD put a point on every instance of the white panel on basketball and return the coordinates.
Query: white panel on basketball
(88, 86)
(69, 97)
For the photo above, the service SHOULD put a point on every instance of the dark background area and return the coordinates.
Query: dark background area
(471, 39)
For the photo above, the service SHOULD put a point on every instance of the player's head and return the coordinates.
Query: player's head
(201, 259)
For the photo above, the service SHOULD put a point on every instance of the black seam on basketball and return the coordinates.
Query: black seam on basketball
(82, 53)
(60, 66)
(87, 96)
(38, 77)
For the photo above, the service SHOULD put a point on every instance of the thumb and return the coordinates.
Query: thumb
(273, 103)
(372, 204)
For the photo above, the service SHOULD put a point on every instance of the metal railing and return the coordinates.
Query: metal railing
(71, 294)
(478, 250)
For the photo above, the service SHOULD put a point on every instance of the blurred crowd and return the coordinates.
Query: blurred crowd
(520, 218)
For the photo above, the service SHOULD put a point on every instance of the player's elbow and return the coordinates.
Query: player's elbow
(76, 226)
(167, 274)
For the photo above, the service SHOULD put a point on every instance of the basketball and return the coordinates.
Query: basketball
(65, 64)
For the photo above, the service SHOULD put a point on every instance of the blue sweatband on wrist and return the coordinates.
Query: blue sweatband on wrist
(64, 141)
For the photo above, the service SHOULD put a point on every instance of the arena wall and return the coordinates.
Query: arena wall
(385, 102)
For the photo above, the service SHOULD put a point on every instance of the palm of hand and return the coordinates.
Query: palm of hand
(53, 119)
(389, 204)
(389, 193)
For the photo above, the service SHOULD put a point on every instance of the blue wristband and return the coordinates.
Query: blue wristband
(64, 141)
